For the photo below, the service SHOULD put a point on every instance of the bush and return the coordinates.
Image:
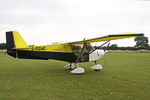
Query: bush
(2, 45)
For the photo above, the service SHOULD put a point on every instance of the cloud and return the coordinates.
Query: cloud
(58, 20)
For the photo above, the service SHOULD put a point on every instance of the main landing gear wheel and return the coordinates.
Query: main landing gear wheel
(69, 66)
(97, 67)
(78, 70)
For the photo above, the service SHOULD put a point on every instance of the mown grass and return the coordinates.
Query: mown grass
(125, 76)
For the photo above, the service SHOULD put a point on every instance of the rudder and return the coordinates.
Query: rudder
(10, 44)
(14, 41)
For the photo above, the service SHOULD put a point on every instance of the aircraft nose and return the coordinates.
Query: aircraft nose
(101, 53)
(97, 54)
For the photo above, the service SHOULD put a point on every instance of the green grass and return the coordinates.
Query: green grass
(125, 76)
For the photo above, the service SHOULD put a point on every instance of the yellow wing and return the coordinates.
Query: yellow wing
(109, 37)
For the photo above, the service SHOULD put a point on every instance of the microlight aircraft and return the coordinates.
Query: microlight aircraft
(72, 52)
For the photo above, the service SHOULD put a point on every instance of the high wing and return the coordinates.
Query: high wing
(109, 37)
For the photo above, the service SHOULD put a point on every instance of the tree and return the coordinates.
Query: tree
(2, 45)
(113, 47)
(141, 42)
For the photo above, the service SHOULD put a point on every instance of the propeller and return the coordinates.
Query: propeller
(84, 45)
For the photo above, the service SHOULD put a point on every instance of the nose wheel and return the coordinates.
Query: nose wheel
(97, 67)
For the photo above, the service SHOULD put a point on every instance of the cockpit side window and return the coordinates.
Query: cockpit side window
(82, 50)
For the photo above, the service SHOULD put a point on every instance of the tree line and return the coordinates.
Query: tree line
(141, 43)
(115, 47)
(2, 45)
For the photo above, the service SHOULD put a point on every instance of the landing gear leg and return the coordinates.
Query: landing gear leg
(95, 62)
(78, 70)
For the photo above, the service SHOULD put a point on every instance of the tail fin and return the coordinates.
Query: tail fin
(14, 41)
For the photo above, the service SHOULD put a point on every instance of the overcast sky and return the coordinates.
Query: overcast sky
(46, 21)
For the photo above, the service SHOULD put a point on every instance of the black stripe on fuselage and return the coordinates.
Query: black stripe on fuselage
(69, 57)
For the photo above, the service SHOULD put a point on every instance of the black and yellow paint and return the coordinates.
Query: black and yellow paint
(18, 48)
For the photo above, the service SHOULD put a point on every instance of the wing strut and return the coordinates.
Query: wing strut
(104, 43)
(101, 46)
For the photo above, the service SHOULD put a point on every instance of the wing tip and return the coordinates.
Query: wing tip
(140, 34)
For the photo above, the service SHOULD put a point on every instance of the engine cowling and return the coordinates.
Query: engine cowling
(97, 54)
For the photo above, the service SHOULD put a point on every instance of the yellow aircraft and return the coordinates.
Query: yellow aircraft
(72, 52)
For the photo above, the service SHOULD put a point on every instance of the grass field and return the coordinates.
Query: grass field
(125, 76)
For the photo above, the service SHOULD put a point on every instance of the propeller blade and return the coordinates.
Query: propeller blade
(84, 45)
